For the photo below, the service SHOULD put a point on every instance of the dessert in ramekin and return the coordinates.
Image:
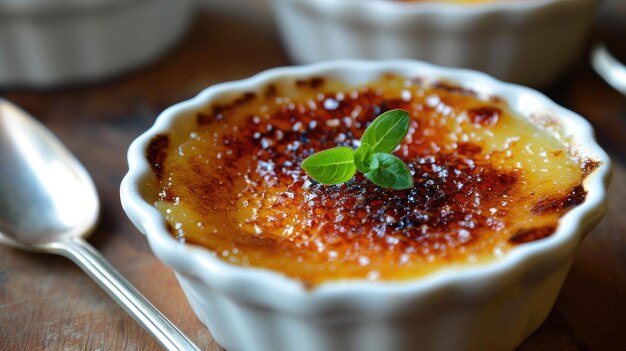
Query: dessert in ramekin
(270, 260)
(523, 41)
(57, 42)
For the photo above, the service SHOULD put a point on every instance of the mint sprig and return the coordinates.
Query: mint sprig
(373, 158)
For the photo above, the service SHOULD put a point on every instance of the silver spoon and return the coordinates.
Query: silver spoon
(48, 203)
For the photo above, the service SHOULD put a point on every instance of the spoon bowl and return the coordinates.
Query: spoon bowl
(46, 193)
(48, 203)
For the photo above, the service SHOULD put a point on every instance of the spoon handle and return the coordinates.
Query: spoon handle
(109, 279)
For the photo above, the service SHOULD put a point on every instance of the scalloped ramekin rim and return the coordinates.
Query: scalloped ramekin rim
(274, 289)
(381, 8)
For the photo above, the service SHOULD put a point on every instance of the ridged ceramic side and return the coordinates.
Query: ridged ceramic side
(484, 307)
(49, 43)
(525, 41)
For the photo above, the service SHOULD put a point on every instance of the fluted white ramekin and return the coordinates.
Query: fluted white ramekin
(54, 42)
(523, 41)
(492, 306)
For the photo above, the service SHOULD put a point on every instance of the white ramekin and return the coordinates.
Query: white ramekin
(56, 42)
(525, 41)
(481, 307)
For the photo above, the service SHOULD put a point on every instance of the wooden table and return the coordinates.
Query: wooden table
(46, 302)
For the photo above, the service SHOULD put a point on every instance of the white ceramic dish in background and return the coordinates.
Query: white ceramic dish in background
(45, 43)
(523, 41)
(481, 307)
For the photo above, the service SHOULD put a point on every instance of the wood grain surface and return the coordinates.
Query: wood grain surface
(47, 303)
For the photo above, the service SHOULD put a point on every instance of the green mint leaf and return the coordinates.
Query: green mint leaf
(363, 158)
(391, 173)
(372, 158)
(332, 166)
(387, 131)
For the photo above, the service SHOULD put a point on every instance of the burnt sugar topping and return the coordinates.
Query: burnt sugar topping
(484, 181)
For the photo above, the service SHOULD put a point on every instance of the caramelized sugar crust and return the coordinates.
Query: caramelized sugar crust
(485, 180)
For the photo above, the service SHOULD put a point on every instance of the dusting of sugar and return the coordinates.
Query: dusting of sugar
(331, 104)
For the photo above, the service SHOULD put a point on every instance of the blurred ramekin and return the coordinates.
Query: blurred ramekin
(529, 42)
(492, 306)
(46, 43)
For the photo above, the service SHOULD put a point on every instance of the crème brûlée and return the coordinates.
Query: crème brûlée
(485, 181)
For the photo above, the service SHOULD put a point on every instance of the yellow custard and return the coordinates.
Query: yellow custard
(485, 181)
